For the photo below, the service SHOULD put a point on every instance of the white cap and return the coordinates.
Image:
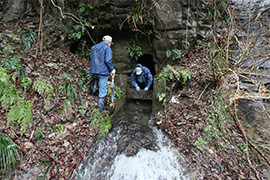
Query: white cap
(138, 70)
(107, 38)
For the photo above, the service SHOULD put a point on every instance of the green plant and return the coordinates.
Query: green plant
(243, 147)
(170, 75)
(78, 32)
(175, 54)
(13, 63)
(28, 38)
(39, 135)
(162, 97)
(12, 36)
(26, 83)
(9, 48)
(218, 10)
(139, 9)
(200, 143)
(100, 121)
(216, 116)
(134, 51)
(185, 74)
(9, 154)
(9, 94)
(118, 93)
(69, 87)
(43, 87)
(86, 80)
(83, 106)
(20, 111)
(58, 128)
(198, 47)
(212, 132)
(80, 28)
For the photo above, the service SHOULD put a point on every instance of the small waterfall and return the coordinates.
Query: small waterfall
(148, 164)
(134, 150)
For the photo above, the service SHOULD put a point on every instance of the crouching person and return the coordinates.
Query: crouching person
(141, 77)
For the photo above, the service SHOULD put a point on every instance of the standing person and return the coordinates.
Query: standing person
(141, 77)
(101, 67)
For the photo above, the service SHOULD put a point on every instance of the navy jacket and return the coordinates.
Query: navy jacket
(146, 75)
(101, 59)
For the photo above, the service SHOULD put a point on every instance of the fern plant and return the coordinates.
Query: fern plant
(134, 50)
(174, 54)
(44, 88)
(83, 107)
(118, 93)
(86, 80)
(28, 38)
(9, 48)
(171, 75)
(8, 93)
(69, 87)
(21, 113)
(25, 82)
(99, 122)
(9, 154)
(201, 143)
(13, 63)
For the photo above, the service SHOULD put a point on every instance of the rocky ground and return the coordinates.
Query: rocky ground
(204, 126)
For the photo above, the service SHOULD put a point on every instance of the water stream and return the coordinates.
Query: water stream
(134, 150)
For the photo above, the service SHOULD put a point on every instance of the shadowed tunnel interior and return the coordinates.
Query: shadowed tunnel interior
(147, 61)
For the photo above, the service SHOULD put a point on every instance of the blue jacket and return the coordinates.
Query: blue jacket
(146, 75)
(101, 59)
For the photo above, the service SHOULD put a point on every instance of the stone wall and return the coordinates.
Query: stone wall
(178, 25)
(169, 24)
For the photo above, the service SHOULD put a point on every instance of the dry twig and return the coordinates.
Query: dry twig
(39, 39)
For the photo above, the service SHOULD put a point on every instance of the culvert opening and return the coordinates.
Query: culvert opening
(147, 61)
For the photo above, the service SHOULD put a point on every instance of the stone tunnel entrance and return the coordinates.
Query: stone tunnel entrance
(147, 60)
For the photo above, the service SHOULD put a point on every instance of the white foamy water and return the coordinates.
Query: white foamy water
(148, 165)
(135, 149)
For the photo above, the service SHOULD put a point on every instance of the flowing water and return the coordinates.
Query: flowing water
(134, 150)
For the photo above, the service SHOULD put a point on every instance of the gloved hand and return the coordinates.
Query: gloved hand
(137, 88)
(113, 72)
(146, 89)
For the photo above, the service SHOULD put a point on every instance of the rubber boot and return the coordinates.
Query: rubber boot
(95, 86)
(101, 104)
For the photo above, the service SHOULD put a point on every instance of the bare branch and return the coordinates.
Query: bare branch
(61, 12)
